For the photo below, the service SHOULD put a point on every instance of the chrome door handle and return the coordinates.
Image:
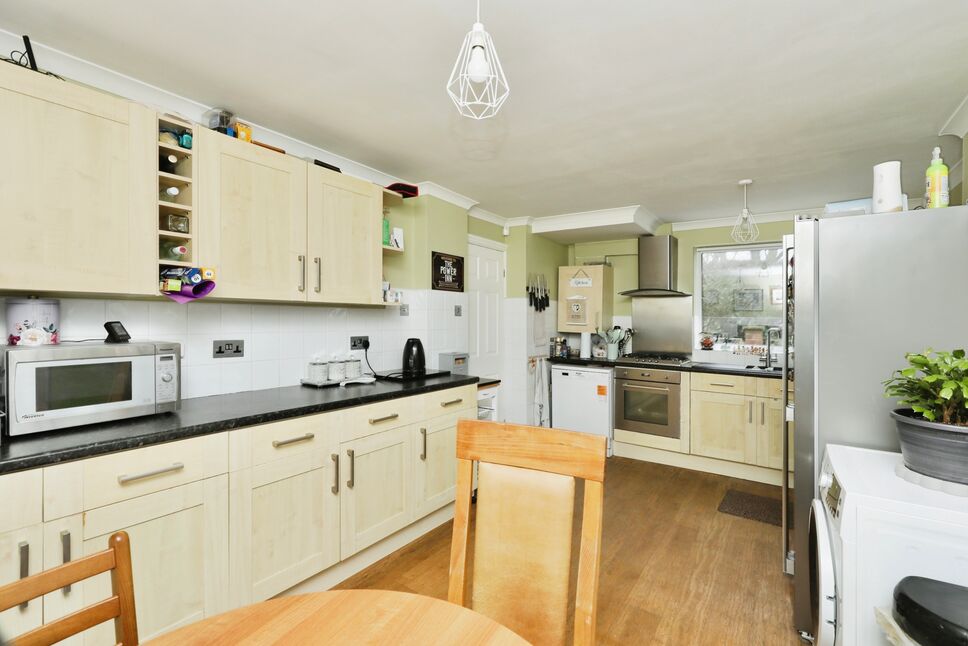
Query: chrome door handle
(750, 403)
(319, 273)
(292, 440)
(722, 385)
(23, 547)
(302, 273)
(631, 387)
(65, 537)
(385, 418)
(335, 458)
(451, 402)
(125, 479)
(423, 453)
(763, 413)
(352, 456)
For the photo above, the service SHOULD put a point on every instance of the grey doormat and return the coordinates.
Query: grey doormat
(751, 506)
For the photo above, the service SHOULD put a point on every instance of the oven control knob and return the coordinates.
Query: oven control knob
(166, 377)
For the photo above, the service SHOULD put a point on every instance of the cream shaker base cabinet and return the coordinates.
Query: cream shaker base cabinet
(435, 463)
(76, 188)
(769, 433)
(722, 426)
(252, 218)
(377, 483)
(21, 553)
(345, 254)
(284, 510)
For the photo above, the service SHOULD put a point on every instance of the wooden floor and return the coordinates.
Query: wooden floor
(674, 570)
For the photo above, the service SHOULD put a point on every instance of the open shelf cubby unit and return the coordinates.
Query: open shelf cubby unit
(176, 198)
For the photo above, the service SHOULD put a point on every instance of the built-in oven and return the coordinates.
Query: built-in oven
(647, 401)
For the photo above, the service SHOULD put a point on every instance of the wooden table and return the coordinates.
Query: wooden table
(346, 617)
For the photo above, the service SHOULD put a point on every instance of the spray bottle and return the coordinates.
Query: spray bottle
(936, 182)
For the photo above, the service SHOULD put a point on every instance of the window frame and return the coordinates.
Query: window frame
(697, 278)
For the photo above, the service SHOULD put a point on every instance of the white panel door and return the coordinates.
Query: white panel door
(485, 294)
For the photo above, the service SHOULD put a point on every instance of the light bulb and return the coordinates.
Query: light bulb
(477, 68)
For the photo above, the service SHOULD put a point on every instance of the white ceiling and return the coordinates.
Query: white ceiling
(660, 104)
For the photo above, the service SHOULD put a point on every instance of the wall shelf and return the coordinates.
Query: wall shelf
(182, 178)
(170, 179)
(390, 249)
(174, 150)
(174, 207)
(174, 234)
(174, 263)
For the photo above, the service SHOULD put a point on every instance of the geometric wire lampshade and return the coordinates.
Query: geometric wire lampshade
(477, 84)
(745, 229)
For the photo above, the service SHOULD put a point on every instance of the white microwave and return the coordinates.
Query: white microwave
(61, 386)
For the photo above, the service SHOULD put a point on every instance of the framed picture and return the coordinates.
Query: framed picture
(447, 272)
(748, 300)
(776, 295)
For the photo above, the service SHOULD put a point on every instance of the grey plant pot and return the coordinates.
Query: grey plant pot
(932, 449)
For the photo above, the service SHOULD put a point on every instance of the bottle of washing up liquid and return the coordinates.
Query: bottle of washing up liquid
(936, 182)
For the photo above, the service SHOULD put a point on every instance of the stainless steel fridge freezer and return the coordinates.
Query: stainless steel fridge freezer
(868, 289)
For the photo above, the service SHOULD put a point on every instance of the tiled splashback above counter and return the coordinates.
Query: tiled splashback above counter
(279, 339)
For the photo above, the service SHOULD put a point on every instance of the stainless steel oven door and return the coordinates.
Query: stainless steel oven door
(647, 407)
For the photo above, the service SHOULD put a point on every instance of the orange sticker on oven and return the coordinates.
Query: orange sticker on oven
(602, 391)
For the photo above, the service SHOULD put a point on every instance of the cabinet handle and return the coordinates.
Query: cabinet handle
(125, 479)
(302, 273)
(712, 383)
(451, 402)
(335, 458)
(763, 413)
(292, 440)
(352, 456)
(319, 273)
(423, 453)
(385, 418)
(750, 405)
(65, 537)
(24, 548)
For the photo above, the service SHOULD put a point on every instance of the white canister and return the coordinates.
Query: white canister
(887, 188)
(337, 370)
(317, 371)
(33, 321)
(354, 368)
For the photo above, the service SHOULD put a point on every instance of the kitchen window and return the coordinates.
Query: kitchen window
(739, 293)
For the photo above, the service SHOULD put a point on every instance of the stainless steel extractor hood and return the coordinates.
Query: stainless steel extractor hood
(658, 267)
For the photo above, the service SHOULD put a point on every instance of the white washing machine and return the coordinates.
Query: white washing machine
(874, 523)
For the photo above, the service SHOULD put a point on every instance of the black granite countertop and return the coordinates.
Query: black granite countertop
(691, 366)
(487, 382)
(204, 415)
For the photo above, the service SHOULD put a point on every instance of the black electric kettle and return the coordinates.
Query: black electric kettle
(414, 362)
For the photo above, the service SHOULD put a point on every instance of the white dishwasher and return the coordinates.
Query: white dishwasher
(581, 400)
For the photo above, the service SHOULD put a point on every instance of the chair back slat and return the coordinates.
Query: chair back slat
(523, 527)
(533, 447)
(120, 607)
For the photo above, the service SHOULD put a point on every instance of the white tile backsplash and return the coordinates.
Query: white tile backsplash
(279, 339)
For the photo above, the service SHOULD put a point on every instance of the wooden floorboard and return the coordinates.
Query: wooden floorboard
(675, 571)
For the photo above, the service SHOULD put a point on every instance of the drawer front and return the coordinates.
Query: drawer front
(727, 384)
(445, 402)
(22, 496)
(381, 416)
(293, 437)
(120, 476)
(772, 388)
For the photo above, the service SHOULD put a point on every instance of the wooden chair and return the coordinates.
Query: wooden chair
(523, 527)
(120, 606)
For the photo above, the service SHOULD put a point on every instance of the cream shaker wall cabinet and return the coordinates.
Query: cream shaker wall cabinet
(77, 186)
(585, 295)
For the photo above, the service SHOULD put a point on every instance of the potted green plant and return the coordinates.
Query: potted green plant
(933, 424)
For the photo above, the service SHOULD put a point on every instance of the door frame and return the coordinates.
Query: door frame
(487, 243)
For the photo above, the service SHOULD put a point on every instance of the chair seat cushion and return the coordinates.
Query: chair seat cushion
(932, 612)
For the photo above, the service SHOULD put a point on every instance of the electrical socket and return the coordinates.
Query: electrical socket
(457, 310)
(359, 342)
(404, 310)
(228, 348)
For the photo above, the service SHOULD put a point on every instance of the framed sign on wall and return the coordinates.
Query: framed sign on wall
(447, 272)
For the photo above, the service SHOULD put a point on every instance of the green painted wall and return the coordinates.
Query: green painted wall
(429, 224)
(691, 239)
(623, 255)
(544, 257)
(517, 261)
(484, 229)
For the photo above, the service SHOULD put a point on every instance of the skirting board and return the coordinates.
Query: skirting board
(365, 558)
(699, 463)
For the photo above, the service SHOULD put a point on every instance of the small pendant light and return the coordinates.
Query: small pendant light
(745, 229)
(477, 83)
